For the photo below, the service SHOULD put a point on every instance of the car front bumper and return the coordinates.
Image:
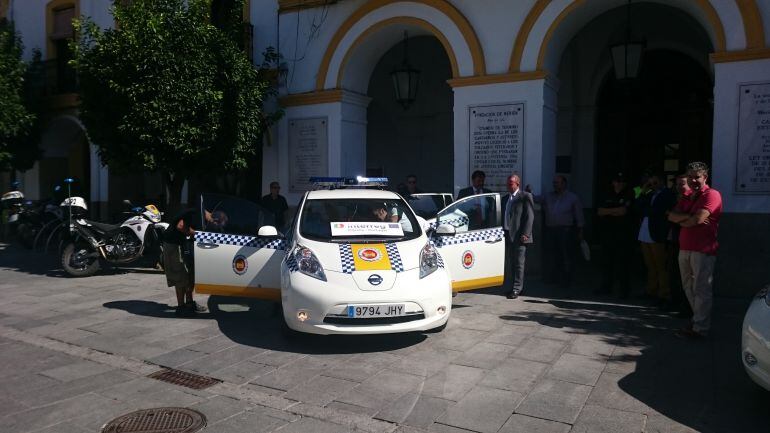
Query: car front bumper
(327, 299)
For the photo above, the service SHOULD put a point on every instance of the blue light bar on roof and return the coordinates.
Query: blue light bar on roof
(348, 182)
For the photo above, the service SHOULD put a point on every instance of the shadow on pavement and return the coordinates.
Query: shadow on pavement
(700, 384)
(260, 324)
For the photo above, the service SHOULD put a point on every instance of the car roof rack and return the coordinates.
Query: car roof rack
(349, 182)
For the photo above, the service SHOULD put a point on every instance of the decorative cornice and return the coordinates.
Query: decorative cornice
(481, 80)
(740, 56)
(324, 97)
(295, 5)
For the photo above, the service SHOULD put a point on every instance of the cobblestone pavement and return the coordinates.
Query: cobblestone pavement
(76, 353)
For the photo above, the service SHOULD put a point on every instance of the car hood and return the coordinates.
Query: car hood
(353, 257)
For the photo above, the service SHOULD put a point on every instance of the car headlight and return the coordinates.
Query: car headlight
(428, 260)
(308, 264)
(765, 294)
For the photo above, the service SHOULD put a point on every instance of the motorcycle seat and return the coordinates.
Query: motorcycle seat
(102, 227)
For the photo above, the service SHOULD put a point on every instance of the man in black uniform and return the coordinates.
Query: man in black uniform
(276, 204)
(617, 235)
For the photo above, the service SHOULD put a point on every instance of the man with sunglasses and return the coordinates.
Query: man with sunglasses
(276, 203)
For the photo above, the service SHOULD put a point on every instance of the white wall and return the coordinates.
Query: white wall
(727, 78)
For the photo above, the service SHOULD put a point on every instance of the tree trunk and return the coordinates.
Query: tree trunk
(174, 184)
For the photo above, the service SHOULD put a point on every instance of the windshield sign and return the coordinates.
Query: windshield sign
(363, 228)
(357, 218)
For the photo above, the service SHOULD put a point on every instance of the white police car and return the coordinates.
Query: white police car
(755, 341)
(354, 261)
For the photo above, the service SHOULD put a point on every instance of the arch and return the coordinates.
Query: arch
(442, 6)
(400, 20)
(749, 12)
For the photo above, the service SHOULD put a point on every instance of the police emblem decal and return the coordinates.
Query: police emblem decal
(240, 264)
(468, 259)
(369, 254)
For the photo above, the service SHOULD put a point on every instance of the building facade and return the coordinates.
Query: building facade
(525, 85)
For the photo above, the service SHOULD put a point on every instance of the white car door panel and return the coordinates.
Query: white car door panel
(229, 259)
(475, 254)
(234, 265)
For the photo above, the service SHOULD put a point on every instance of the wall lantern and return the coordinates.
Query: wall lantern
(627, 56)
(405, 79)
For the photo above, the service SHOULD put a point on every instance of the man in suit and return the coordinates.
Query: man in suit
(518, 216)
(477, 185)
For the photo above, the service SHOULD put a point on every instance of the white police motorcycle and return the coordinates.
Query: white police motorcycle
(90, 242)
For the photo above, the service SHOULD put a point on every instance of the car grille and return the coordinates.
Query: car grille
(349, 321)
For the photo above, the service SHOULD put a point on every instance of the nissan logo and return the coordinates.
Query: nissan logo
(375, 279)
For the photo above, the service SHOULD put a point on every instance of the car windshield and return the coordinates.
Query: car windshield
(427, 205)
(359, 219)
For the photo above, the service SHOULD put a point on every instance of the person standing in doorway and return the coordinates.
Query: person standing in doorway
(678, 297)
(617, 236)
(477, 185)
(564, 223)
(410, 187)
(654, 203)
(518, 217)
(699, 222)
(276, 203)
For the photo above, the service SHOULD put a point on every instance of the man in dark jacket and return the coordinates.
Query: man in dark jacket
(477, 185)
(518, 217)
(653, 206)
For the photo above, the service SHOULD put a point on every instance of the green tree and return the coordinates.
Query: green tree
(167, 91)
(18, 117)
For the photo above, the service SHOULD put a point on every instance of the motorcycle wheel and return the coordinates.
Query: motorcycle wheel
(160, 263)
(78, 260)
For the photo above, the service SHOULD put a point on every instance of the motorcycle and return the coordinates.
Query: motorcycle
(90, 242)
(11, 205)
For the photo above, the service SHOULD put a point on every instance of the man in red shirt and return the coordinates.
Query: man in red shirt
(698, 218)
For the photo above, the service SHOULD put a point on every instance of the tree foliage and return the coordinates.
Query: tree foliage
(18, 117)
(168, 91)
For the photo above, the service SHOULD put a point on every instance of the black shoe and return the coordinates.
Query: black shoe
(512, 295)
(196, 307)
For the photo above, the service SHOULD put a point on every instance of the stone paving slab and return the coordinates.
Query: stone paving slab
(76, 353)
(482, 409)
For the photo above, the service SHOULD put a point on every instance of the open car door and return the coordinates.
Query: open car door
(230, 258)
(475, 254)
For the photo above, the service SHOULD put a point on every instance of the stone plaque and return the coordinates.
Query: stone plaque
(497, 142)
(308, 152)
(753, 160)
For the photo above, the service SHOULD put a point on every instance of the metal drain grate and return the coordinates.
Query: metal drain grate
(183, 378)
(158, 420)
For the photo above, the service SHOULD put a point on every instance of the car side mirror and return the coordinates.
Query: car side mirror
(445, 230)
(267, 232)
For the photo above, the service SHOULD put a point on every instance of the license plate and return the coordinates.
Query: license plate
(382, 310)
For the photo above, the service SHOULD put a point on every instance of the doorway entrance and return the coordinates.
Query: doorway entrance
(656, 123)
(419, 139)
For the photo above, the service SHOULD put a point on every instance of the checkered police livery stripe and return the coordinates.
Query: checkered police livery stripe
(291, 263)
(241, 241)
(462, 238)
(349, 265)
(346, 256)
(395, 259)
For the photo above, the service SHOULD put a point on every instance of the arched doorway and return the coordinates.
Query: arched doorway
(655, 122)
(658, 123)
(419, 139)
